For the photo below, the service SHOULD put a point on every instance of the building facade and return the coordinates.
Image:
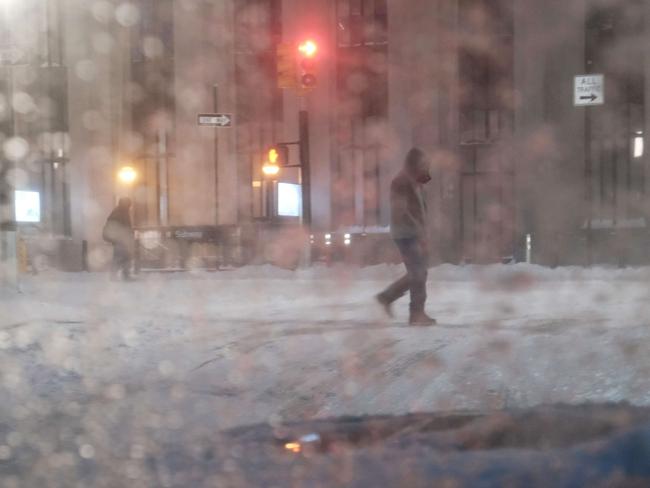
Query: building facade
(486, 87)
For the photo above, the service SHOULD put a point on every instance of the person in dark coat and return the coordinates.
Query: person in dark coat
(119, 232)
(408, 230)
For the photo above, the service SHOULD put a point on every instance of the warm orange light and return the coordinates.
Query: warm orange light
(273, 156)
(270, 169)
(293, 447)
(127, 175)
(308, 48)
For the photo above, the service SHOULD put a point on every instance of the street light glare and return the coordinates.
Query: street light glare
(270, 169)
(308, 48)
(127, 175)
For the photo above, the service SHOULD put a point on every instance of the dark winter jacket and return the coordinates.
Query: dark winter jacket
(407, 204)
(407, 208)
(118, 229)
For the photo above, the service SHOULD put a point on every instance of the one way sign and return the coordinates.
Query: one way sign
(216, 120)
(589, 90)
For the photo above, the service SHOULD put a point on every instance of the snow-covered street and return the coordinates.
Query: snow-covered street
(261, 344)
(113, 368)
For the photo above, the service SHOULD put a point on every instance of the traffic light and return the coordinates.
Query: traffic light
(286, 66)
(279, 154)
(276, 156)
(307, 51)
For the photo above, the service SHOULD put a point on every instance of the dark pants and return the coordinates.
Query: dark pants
(121, 259)
(416, 261)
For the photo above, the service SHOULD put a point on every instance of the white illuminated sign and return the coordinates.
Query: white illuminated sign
(588, 90)
(638, 147)
(289, 200)
(28, 206)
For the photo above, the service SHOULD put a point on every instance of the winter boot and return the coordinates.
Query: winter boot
(127, 276)
(421, 319)
(385, 305)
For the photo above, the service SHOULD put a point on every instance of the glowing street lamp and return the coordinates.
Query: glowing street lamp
(127, 175)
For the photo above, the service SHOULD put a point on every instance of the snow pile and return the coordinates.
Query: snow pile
(444, 272)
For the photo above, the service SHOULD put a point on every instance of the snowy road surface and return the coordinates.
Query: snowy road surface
(177, 354)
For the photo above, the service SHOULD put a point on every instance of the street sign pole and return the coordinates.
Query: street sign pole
(588, 92)
(589, 182)
(218, 120)
(215, 101)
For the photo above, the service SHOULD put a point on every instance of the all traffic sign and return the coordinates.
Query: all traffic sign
(215, 120)
(588, 90)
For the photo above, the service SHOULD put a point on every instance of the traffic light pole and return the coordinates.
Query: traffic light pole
(270, 198)
(305, 164)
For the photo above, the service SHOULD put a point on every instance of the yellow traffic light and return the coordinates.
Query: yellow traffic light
(127, 175)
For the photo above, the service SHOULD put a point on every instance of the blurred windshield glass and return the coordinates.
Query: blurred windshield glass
(228, 227)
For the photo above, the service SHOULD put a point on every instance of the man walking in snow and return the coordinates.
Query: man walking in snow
(119, 232)
(408, 229)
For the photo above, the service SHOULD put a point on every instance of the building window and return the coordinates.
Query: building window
(259, 102)
(362, 94)
(486, 72)
(258, 31)
(362, 22)
(154, 34)
(152, 110)
(617, 182)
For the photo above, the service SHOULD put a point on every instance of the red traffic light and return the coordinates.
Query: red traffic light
(308, 48)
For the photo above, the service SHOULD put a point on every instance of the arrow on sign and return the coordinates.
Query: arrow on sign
(591, 97)
(223, 120)
(215, 120)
